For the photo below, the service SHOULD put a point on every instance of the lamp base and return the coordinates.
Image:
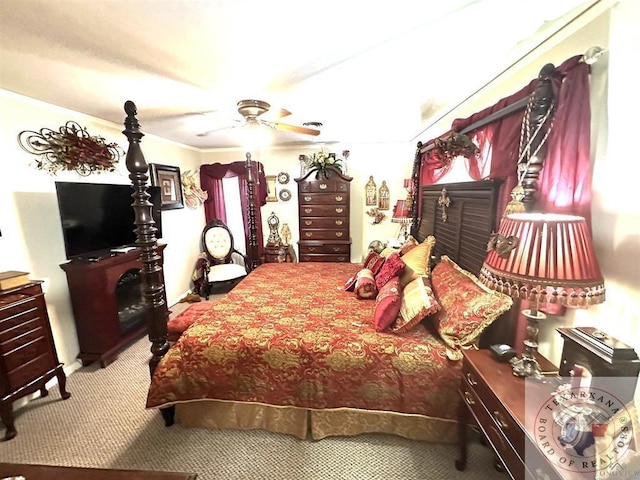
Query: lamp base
(528, 366)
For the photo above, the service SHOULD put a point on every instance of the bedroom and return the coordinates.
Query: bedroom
(615, 218)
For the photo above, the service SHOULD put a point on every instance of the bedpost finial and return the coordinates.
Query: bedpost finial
(130, 108)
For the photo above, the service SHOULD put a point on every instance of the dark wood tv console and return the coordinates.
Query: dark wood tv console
(106, 296)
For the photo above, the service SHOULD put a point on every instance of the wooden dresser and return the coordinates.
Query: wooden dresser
(28, 357)
(323, 211)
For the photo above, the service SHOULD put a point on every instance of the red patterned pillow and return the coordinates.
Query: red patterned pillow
(393, 267)
(418, 302)
(468, 306)
(374, 262)
(366, 285)
(350, 284)
(388, 304)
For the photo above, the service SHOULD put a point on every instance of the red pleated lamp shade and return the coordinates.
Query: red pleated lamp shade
(400, 212)
(548, 258)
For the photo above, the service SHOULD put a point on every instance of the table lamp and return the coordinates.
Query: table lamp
(546, 259)
(402, 215)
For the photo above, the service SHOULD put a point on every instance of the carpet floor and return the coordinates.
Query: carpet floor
(104, 424)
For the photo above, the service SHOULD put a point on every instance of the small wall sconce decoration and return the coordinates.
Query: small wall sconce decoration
(375, 216)
(371, 193)
(383, 197)
(71, 148)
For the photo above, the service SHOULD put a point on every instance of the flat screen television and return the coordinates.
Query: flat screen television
(98, 217)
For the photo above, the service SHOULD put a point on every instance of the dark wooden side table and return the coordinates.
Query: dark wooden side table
(495, 399)
(48, 472)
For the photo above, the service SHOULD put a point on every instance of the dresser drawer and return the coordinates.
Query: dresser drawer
(19, 329)
(34, 368)
(21, 317)
(324, 222)
(324, 258)
(337, 249)
(323, 186)
(324, 210)
(508, 456)
(25, 348)
(503, 420)
(16, 303)
(326, 234)
(324, 199)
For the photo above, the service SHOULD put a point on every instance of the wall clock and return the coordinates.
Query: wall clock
(283, 178)
(284, 194)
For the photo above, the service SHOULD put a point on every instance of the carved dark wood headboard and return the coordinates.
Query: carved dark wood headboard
(461, 216)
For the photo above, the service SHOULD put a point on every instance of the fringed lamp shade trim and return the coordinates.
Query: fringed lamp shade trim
(552, 262)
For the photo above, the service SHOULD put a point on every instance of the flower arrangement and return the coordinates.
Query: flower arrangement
(71, 148)
(454, 145)
(322, 160)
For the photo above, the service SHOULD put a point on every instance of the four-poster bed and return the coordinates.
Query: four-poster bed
(298, 353)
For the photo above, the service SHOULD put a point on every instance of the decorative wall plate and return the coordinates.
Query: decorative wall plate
(283, 178)
(284, 194)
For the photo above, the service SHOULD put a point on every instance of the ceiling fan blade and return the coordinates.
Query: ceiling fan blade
(208, 132)
(295, 129)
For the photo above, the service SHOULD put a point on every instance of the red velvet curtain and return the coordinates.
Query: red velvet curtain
(211, 181)
(564, 184)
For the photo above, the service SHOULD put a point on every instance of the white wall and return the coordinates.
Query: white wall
(29, 219)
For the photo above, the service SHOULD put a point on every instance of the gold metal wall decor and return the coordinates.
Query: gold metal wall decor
(71, 148)
(371, 193)
(383, 197)
(444, 201)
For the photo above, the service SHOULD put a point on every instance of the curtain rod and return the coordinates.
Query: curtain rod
(508, 110)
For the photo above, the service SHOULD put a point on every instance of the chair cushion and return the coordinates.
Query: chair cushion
(218, 242)
(226, 271)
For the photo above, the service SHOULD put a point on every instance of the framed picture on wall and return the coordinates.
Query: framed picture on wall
(167, 177)
(271, 188)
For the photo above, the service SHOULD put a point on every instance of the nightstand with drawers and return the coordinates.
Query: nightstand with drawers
(28, 358)
(495, 399)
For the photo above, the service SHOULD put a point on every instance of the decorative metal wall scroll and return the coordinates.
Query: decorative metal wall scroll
(71, 148)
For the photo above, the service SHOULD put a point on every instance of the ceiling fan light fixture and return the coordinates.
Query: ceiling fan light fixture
(252, 108)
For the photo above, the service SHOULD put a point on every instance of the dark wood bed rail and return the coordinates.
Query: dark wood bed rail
(156, 310)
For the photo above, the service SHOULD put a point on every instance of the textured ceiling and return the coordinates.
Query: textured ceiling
(367, 73)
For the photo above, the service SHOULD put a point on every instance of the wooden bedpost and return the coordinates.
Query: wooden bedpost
(254, 253)
(153, 296)
(538, 118)
(415, 189)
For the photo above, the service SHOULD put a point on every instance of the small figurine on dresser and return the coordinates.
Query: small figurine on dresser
(286, 234)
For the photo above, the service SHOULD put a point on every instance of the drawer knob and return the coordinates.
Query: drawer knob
(339, 210)
(308, 210)
(323, 186)
(502, 423)
(336, 249)
(338, 222)
(308, 198)
(338, 234)
(308, 222)
(342, 259)
(339, 198)
(472, 381)
(308, 234)
(468, 398)
(312, 249)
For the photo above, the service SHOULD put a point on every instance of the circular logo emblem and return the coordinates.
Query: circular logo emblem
(583, 429)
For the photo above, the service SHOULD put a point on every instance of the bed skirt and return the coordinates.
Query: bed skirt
(315, 424)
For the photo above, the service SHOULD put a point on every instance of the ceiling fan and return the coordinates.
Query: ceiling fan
(252, 110)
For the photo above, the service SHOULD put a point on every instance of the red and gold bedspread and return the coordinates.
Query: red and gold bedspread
(289, 335)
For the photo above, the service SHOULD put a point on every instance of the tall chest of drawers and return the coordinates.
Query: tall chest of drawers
(28, 358)
(323, 210)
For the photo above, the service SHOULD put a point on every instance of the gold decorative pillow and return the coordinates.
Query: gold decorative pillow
(417, 261)
(468, 306)
(418, 302)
